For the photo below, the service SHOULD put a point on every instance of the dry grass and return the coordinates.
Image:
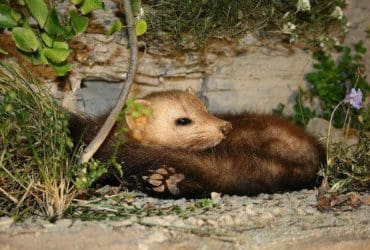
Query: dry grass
(35, 148)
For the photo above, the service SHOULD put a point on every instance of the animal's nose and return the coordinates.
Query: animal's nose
(226, 127)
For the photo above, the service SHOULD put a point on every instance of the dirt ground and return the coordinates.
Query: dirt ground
(280, 221)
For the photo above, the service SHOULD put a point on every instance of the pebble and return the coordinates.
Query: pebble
(216, 197)
(212, 222)
(63, 223)
(277, 211)
(250, 210)
(5, 223)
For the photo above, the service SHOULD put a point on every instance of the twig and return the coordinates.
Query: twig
(109, 123)
(25, 194)
(10, 197)
(96, 207)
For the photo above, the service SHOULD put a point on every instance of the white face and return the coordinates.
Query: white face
(180, 120)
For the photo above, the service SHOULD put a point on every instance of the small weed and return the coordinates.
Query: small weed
(339, 82)
(332, 79)
(302, 114)
(192, 23)
(35, 148)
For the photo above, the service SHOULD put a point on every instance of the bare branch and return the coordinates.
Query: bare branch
(109, 123)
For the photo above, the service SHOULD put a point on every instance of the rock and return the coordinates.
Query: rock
(216, 197)
(250, 210)
(319, 128)
(63, 223)
(5, 223)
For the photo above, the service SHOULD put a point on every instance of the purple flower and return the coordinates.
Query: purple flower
(354, 98)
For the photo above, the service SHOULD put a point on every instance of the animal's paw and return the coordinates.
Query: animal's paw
(164, 179)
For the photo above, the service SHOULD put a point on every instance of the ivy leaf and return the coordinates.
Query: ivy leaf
(25, 39)
(51, 43)
(79, 23)
(6, 18)
(16, 15)
(53, 26)
(57, 55)
(115, 27)
(47, 39)
(62, 69)
(41, 56)
(90, 5)
(60, 45)
(68, 32)
(3, 51)
(76, 2)
(141, 27)
(34, 58)
(39, 10)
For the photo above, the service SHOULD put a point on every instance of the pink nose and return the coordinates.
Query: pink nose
(226, 127)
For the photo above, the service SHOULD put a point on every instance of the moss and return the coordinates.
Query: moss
(188, 23)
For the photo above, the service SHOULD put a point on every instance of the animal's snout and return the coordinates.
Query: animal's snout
(225, 128)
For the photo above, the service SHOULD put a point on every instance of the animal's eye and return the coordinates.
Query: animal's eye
(183, 121)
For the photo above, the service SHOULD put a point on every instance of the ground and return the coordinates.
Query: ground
(279, 221)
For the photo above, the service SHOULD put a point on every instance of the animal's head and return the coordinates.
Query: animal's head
(178, 120)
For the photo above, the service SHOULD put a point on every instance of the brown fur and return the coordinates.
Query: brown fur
(261, 154)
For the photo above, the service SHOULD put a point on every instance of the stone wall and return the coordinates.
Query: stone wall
(246, 74)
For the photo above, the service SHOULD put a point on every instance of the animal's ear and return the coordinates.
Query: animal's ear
(136, 120)
(190, 90)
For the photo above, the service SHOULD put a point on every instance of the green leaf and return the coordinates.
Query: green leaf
(141, 27)
(60, 45)
(47, 39)
(21, 2)
(53, 26)
(115, 27)
(41, 56)
(79, 23)
(16, 15)
(68, 32)
(25, 39)
(359, 47)
(76, 2)
(90, 5)
(34, 58)
(56, 55)
(39, 10)
(51, 43)
(61, 70)
(6, 18)
(3, 51)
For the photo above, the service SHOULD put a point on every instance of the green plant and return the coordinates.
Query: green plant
(46, 43)
(348, 167)
(190, 24)
(331, 80)
(302, 114)
(35, 147)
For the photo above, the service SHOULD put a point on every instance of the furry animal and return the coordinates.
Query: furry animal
(182, 150)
